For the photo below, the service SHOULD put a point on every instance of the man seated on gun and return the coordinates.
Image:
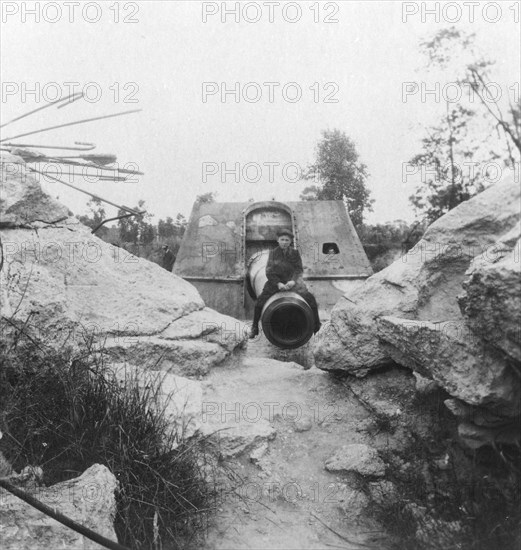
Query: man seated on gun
(284, 272)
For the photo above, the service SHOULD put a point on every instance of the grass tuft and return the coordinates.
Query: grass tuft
(62, 410)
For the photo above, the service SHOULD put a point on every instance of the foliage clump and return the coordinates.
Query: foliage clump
(385, 243)
(339, 175)
(61, 410)
(446, 497)
(137, 234)
(478, 135)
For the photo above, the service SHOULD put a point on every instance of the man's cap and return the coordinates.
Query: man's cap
(287, 232)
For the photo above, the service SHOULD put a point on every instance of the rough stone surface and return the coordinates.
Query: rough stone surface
(72, 278)
(286, 496)
(358, 458)
(303, 424)
(463, 366)
(491, 302)
(424, 385)
(208, 325)
(246, 405)
(258, 452)
(476, 415)
(22, 201)
(72, 285)
(234, 438)
(475, 436)
(88, 500)
(423, 284)
(449, 310)
(190, 358)
(352, 502)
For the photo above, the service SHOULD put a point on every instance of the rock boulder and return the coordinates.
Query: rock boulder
(424, 283)
(464, 366)
(449, 310)
(88, 500)
(491, 301)
(358, 458)
(68, 285)
(22, 201)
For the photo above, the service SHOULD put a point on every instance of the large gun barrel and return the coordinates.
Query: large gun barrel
(287, 319)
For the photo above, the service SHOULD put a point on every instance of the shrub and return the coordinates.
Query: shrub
(61, 410)
(473, 502)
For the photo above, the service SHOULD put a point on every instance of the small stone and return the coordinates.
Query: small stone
(443, 463)
(352, 502)
(477, 436)
(425, 385)
(259, 452)
(32, 472)
(358, 458)
(303, 425)
(383, 491)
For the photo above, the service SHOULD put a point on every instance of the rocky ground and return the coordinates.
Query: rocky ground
(281, 425)
(309, 453)
(314, 459)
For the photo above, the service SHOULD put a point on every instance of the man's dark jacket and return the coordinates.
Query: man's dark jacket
(282, 268)
(168, 260)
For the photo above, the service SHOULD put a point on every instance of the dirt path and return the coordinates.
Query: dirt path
(279, 424)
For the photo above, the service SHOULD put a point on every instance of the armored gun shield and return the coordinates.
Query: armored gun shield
(224, 254)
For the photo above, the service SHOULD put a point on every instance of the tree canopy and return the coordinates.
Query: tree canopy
(339, 175)
(474, 139)
(97, 215)
(136, 229)
(206, 197)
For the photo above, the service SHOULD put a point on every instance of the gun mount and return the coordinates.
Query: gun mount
(287, 319)
(224, 254)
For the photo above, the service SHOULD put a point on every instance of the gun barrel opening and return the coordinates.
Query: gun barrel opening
(287, 320)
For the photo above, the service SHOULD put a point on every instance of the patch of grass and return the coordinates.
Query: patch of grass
(62, 411)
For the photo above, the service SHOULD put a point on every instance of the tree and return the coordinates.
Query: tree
(454, 153)
(385, 243)
(166, 229)
(339, 175)
(448, 165)
(180, 224)
(391, 234)
(147, 233)
(206, 197)
(136, 229)
(128, 228)
(452, 46)
(97, 215)
(171, 229)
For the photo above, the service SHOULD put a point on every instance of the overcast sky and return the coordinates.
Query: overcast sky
(157, 56)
